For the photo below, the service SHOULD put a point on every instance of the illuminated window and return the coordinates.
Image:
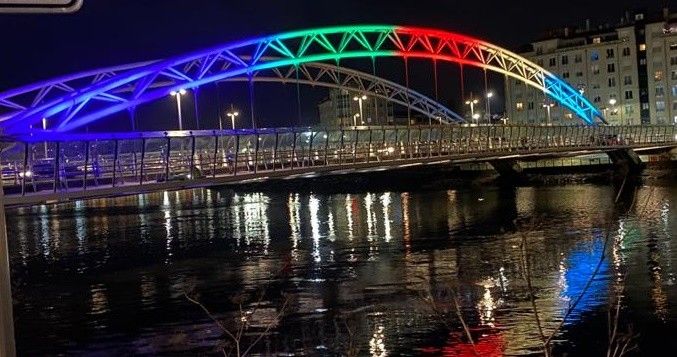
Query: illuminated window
(594, 56)
(597, 40)
(520, 106)
(642, 47)
(658, 76)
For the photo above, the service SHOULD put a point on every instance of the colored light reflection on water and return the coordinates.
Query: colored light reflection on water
(109, 276)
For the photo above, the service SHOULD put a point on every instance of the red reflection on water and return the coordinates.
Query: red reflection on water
(486, 346)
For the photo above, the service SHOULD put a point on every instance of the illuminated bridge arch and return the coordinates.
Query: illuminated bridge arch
(154, 80)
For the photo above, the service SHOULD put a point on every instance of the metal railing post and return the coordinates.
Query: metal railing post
(357, 140)
(216, 154)
(115, 162)
(192, 157)
(293, 149)
(143, 157)
(167, 157)
(277, 142)
(311, 156)
(25, 176)
(85, 177)
(57, 165)
(369, 146)
(237, 154)
(256, 153)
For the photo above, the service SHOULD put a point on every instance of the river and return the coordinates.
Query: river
(374, 273)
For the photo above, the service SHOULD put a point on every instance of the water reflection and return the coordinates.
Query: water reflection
(368, 255)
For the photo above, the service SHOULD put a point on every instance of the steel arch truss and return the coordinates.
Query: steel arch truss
(145, 83)
(332, 76)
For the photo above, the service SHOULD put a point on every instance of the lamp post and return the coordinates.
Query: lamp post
(548, 107)
(232, 114)
(360, 99)
(178, 95)
(476, 117)
(44, 127)
(489, 96)
(471, 102)
(358, 115)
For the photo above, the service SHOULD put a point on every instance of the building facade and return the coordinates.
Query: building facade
(627, 71)
(341, 109)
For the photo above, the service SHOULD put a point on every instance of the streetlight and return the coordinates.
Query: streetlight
(548, 107)
(355, 118)
(489, 96)
(476, 117)
(178, 95)
(232, 114)
(44, 127)
(471, 102)
(360, 100)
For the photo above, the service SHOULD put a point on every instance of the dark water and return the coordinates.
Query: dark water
(329, 272)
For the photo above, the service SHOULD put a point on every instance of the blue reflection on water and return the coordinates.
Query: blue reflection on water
(581, 264)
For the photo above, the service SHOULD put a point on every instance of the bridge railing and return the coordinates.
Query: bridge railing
(40, 163)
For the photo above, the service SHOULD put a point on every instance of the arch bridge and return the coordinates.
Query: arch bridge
(72, 102)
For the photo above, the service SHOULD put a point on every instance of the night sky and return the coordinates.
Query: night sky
(110, 32)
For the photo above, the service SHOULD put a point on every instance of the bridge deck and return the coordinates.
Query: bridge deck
(100, 165)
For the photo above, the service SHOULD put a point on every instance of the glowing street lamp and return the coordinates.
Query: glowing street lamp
(355, 118)
(471, 102)
(178, 95)
(360, 100)
(489, 96)
(44, 127)
(476, 117)
(232, 114)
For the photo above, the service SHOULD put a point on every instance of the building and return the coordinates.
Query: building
(629, 71)
(341, 108)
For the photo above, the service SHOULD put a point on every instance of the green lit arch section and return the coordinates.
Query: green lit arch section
(136, 86)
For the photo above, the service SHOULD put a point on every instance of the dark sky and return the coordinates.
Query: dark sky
(109, 32)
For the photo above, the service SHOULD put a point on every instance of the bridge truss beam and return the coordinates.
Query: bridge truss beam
(248, 57)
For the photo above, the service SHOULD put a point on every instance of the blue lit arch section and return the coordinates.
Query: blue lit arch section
(107, 93)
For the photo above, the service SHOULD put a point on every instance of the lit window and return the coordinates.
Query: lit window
(597, 40)
(594, 56)
(642, 47)
(520, 106)
(658, 76)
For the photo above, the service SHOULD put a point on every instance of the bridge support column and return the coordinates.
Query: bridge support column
(626, 161)
(7, 348)
(507, 168)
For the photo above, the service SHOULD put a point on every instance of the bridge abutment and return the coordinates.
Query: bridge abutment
(507, 168)
(626, 161)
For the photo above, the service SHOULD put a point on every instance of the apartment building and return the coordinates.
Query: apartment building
(629, 71)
